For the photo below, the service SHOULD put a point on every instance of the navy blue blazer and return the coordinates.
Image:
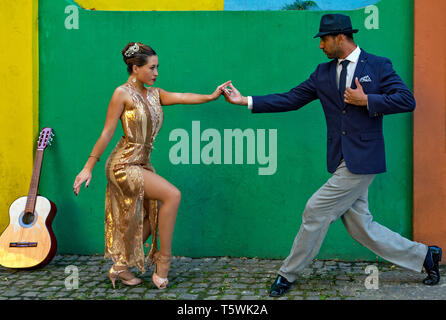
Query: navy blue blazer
(354, 133)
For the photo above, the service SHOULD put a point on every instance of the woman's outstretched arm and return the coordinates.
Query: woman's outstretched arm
(170, 98)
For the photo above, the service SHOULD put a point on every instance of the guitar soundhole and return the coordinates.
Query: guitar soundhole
(27, 219)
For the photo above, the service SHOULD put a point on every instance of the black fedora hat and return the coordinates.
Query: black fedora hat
(335, 23)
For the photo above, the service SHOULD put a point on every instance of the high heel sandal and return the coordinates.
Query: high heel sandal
(114, 274)
(160, 282)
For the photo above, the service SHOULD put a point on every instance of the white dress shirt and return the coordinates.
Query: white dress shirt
(351, 67)
(353, 57)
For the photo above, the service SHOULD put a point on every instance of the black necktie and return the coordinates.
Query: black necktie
(343, 78)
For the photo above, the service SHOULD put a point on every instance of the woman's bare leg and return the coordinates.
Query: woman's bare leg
(158, 188)
(146, 228)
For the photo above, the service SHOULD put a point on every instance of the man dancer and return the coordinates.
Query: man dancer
(356, 90)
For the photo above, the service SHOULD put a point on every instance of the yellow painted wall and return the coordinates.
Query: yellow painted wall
(19, 100)
(146, 5)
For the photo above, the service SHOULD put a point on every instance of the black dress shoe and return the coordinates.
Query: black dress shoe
(432, 268)
(279, 287)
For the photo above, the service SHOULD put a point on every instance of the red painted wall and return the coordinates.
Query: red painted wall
(429, 214)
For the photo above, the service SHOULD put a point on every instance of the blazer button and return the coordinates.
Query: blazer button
(344, 111)
(344, 133)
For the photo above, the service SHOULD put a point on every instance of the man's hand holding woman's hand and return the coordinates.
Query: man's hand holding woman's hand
(219, 90)
(232, 95)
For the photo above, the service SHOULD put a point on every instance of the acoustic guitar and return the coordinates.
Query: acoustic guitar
(29, 241)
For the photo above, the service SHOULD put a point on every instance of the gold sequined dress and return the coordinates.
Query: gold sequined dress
(125, 205)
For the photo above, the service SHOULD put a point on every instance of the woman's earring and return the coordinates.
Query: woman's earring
(134, 80)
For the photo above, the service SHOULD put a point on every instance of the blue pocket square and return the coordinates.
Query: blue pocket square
(365, 79)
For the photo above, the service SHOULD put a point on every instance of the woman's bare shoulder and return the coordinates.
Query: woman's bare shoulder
(122, 93)
(122, 89)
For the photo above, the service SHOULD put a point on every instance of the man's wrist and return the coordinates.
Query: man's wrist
(249, 98)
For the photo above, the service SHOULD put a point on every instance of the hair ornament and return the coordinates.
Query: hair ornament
(132, 50)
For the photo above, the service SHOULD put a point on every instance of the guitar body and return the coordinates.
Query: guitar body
(28, 241)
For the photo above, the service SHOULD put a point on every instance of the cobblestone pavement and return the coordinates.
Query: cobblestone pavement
(220, 278)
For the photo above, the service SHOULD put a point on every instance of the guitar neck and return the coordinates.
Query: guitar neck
(32, 193)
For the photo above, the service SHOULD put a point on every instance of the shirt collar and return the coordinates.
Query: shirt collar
(353, 56)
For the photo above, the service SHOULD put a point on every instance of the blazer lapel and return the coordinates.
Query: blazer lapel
(359, 67)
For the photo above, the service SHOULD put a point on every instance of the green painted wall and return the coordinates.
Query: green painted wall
(226, 209)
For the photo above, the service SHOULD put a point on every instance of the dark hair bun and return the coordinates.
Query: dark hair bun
(136, 53)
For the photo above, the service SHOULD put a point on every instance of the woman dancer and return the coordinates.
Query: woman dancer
(133, 188)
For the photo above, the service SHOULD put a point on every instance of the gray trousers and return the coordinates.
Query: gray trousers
(345, 195)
